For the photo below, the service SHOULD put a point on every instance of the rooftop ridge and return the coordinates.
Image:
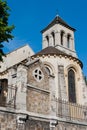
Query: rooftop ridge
(57, 20)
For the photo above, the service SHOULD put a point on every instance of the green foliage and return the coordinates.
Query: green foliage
(5, 29)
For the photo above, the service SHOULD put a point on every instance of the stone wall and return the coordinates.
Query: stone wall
(7, 121)
(37, 125)
(44, 83)
(38, 95)
(37, 101)
(70, 126)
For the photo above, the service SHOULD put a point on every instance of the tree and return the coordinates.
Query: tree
(5, 29)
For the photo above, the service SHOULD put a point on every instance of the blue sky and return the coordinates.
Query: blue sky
(31, 16)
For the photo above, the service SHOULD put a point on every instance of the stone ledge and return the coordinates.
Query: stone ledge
(39, 89)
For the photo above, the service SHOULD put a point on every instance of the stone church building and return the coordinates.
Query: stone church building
(46, 90)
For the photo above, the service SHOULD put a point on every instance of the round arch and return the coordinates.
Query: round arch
(62, 32)
(76, 75)
(53, 37)
(75, 68)
(49, 68)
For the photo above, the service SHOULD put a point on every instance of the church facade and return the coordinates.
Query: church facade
(46, 90)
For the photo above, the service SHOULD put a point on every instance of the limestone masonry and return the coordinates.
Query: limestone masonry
(46, 90)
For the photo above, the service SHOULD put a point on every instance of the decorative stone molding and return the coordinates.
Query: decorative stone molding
(22, 119)
(53, 123)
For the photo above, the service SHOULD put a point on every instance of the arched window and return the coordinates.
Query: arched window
(71, 86)
(47, 38)
(62, 37)
(68, 40)
(53, 35)
(48, 70)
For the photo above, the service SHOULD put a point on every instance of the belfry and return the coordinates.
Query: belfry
(46, 90)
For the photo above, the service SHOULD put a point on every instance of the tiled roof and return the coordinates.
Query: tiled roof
(54, 51)
(57, 20)
(50, 50)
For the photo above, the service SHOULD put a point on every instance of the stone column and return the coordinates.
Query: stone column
(44, 43)
(57, 38)
(50, 40)
(62, 101)
(65, 41)
(53, 103)
(72, 42)
(21, 88)
(52, 96)
(62, 86)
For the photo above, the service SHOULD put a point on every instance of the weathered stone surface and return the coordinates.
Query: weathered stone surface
(37, 125)
(41, 98)
(69, 126)
(7, 121)
(44, 82)
(61, 79)
(37, 101)
(38, 97)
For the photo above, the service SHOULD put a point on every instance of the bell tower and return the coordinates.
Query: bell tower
(59, 35)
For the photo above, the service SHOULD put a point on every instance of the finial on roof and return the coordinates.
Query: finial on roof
(57, 13)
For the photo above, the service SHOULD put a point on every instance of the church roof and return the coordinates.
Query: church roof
(50, 50)
(54, 51)
(57, 20)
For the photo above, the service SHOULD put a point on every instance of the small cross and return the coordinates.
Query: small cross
(56, 12)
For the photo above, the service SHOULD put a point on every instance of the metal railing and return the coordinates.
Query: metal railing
(71, 111)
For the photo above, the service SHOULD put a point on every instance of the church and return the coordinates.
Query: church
(44, 90)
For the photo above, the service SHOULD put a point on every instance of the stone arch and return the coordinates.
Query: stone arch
(68, 40)
(75, 68)
(62, 32)
(50, 68)
(53, 38)
(47, 40)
